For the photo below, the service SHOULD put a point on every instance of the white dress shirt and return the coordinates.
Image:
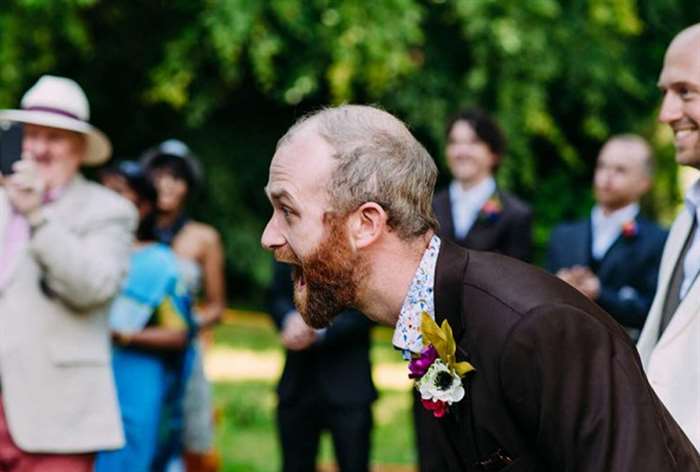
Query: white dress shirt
(691, 263)
(607, 228)
(466, 204)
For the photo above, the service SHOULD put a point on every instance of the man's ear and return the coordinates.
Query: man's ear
(367, 224)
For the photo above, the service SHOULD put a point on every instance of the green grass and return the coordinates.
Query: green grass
(246, 437)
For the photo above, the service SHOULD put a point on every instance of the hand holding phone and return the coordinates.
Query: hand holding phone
(10, 146)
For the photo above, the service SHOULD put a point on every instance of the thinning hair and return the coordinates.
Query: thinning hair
(380, 161)
(643, 145)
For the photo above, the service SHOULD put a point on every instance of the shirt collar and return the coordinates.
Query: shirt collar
(616, 218)
(692, 198)
(478, 193)
(420, 298)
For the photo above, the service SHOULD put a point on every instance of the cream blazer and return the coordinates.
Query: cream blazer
(672, 362)
(55, 372)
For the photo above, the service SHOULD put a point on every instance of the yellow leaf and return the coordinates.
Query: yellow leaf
(462, 368)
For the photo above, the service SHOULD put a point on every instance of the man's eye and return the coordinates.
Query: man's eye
(286, 211)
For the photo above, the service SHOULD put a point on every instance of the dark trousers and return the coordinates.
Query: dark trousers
(300, 426)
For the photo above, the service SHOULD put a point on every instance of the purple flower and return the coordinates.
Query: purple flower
(420, 365)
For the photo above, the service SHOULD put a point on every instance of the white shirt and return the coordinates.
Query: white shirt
(466, 204)
(607, 228)
(691, 263)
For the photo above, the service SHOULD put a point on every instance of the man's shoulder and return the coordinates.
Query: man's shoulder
(571, 227)
(442, 196)
(502, 290)
(514, 204)
(516, 287)
(101, 200)
(651, 229)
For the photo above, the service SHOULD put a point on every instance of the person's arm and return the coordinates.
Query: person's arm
(170, 326)
(85, 269)
(578, 390)
(214, 301)
(158, 339)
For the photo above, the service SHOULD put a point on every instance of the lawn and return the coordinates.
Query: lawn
(244, 360)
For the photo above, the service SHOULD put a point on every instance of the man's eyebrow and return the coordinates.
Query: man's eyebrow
(278, 194)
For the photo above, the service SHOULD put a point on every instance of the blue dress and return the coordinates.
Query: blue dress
(149, 382)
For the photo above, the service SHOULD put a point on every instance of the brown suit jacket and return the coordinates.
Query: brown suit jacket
(558, 385)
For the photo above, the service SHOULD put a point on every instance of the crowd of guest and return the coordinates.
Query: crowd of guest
(104, 288)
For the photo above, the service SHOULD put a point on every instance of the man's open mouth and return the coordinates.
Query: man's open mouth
(298, 276)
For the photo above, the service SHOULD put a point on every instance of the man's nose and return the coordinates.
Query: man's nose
(271, 238)
(35, 146)
(671, 109)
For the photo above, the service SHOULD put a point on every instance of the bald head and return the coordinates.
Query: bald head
(688, 37)
(680, 84)
(377, 159)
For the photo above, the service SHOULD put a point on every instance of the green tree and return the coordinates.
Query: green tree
(229, 76)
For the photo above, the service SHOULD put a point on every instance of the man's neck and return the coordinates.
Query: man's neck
(394, 266)
(610, 209)
(469, 184)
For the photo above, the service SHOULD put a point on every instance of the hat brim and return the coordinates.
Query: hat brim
(98, 149)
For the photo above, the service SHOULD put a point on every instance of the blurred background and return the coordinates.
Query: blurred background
(230, 76)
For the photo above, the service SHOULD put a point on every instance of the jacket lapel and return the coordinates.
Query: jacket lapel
(449, 279)
(674, 245)
(688, 306)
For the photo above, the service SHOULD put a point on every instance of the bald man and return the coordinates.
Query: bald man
(613, 256)
(670, 341)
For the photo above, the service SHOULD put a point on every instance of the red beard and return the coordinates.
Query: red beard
(326, 281)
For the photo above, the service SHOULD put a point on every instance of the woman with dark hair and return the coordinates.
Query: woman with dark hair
(176, 173)
(150, 327)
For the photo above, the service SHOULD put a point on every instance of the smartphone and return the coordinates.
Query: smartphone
(10, 145)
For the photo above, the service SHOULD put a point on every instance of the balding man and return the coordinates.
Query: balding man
(556, 384)
(670, 341)
(613, 256)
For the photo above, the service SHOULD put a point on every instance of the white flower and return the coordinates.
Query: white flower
(440, 383)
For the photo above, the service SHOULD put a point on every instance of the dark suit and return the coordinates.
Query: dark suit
(628, 272)
(509, 232)
(327, 386)
(558, 385)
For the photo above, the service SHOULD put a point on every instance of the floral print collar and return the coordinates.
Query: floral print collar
(420, 298)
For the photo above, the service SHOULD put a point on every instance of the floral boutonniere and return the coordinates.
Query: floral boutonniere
(630, 229)
(491, 210)
(437, 373)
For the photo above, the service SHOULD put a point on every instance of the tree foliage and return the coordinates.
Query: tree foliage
(231, 75)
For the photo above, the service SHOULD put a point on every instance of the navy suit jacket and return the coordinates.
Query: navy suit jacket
(337, 367)
(509, 232)
(628, 272)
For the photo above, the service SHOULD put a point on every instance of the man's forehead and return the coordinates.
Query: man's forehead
(682, 62)
(302, 163)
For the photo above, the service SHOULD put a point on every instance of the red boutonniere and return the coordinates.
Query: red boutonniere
(491, 210)
(437, 374)
(630, 229)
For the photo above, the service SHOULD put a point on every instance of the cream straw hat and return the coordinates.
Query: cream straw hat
(58, 102)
